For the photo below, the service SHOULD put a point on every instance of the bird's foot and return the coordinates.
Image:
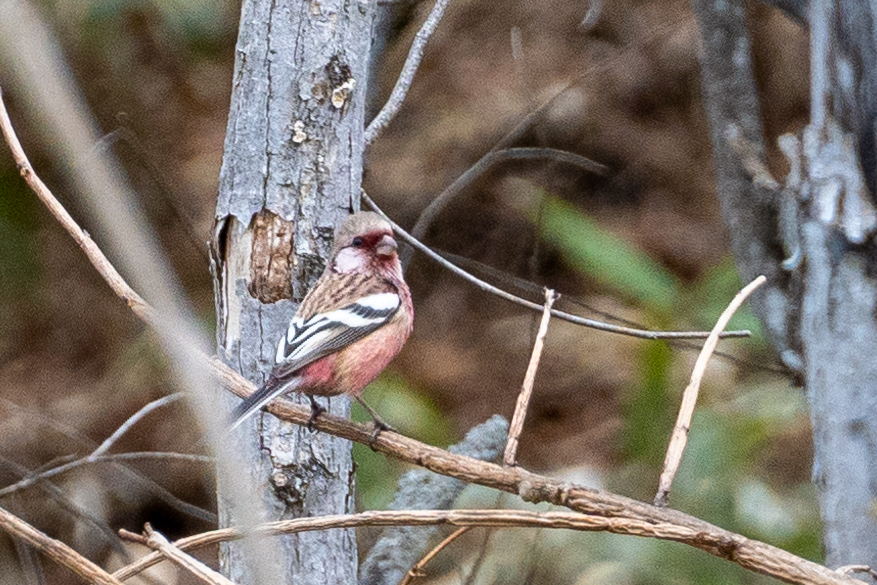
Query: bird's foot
(316, 410)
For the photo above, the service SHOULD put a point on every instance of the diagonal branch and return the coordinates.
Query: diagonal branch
(406, 77)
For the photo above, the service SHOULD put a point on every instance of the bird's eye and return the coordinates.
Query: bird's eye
(357, 242)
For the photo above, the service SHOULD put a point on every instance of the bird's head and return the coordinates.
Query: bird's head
(364, 240)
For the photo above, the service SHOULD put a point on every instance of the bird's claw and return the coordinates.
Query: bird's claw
(316, 410)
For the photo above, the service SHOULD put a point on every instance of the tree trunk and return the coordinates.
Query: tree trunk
(291, 171)
(812, 237)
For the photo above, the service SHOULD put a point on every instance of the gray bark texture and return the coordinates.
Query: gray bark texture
(812, 236)
(400, 547)
(291, 171)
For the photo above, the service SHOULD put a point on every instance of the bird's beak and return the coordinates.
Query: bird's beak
(386, 246)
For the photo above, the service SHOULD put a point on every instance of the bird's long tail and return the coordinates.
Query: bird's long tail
(268, 392)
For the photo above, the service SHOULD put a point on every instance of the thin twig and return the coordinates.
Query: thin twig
(30, 480)
(157, 541)
(131, 475)
(679, 437)
(66, 503)
(132, 420)
(54, 549)
(418, 570)
(406, 77)
(524, 285)
(487, 287)
(493, 157)
(517, 426)
(92, 251)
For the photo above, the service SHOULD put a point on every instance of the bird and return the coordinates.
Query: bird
(349, 326)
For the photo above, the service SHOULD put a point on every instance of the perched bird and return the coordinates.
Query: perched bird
(348, 327)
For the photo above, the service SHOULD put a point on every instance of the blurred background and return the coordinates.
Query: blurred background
(642, 244)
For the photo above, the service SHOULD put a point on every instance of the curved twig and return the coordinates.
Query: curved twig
(679, 436)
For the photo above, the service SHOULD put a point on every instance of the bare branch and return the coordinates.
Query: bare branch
(715, 542)
(679, 437)
(487, 287)
(750, 554)
(517, 426)
(403, 83)
(55, 549)
(611, 512)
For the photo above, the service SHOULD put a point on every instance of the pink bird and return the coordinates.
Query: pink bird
(348, 327)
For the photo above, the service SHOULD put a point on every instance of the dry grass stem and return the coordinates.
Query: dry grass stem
(517, 426)
(679, 438)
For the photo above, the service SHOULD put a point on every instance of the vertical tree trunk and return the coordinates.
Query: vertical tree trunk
(820, 309)
(291, 171)
(839, 306)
